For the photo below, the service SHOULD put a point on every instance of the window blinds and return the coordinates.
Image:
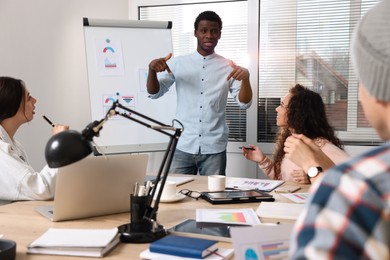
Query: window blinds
(307, 42)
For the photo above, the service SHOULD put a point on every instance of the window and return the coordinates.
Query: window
(307, 42)
(299, 41)
(232, 45)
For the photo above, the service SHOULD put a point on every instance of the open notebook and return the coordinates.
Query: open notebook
(96, 186)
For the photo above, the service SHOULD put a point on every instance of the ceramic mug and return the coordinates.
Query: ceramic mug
(216, 182)
(169, 190)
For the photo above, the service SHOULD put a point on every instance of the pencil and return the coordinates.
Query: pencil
(48, 120)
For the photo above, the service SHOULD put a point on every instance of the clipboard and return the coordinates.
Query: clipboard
(236, 196)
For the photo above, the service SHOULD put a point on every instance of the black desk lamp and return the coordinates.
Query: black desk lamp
(70, 146)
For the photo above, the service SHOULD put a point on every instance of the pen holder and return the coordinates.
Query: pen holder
(138, 208)
(141, 229)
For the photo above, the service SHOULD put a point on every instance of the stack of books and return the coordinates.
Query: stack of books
(179, 247)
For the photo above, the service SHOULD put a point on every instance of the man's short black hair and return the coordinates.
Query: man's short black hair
(209, 16)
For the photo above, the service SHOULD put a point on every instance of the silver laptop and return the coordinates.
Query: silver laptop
(96, 186)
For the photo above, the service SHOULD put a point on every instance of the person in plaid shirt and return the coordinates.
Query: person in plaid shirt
(348, 215)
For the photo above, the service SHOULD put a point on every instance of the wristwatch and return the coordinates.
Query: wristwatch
(314, 171)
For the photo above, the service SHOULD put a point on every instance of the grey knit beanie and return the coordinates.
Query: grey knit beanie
(371, 50)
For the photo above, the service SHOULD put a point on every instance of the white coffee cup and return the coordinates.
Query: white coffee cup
(169, 190)
(216, 182)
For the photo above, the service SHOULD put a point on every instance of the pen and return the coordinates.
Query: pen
(48, 120)
(141, 191)
(135, 191)
(247, 148)
(147, 188)
(270, 224)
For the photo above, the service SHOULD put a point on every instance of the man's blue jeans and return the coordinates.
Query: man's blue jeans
(205, 164)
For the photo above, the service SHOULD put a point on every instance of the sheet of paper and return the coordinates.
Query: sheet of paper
(240, 216)
(296, 197)
(262, 241)
(279, 210)
(248, 183)
(180, 180)
(109, 57)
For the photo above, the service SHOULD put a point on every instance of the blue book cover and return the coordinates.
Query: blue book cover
(184, 246)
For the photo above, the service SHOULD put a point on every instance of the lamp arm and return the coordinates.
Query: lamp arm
(159, 127)
(162, 175)
(93, 129)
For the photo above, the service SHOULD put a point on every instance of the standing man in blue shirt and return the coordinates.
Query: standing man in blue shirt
(203, 80)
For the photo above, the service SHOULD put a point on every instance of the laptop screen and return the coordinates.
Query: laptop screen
(97, 186)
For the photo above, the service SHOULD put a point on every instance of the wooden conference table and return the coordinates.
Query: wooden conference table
(21, 223)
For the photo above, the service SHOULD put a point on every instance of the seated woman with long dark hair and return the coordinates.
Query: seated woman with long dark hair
(18, 180)
(302, 111)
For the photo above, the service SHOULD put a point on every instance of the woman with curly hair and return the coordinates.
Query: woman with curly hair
(302, 111)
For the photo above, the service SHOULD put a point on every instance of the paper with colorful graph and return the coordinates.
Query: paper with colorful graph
(297, 197)
(262, 242)
(242, 216)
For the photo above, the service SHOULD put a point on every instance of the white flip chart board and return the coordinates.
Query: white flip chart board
(118, 53)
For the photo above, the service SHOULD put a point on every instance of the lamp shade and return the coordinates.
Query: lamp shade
(65, 148)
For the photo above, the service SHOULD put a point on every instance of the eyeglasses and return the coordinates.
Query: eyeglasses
(190, 193)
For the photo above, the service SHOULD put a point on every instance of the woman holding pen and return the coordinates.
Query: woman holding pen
(302, 111)
(18, 180)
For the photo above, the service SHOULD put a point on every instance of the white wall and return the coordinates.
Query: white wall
(42, 43)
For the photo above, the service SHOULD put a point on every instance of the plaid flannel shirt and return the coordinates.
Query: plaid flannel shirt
(348, 216)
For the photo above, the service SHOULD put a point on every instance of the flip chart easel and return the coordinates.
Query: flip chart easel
(118, 53)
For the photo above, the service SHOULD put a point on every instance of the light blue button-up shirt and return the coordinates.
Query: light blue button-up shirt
(202, 89)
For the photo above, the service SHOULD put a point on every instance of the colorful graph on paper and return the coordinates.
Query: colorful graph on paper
(297, 197)
(275, 249)
(262, 242)
(250, 254)
(245, 216)
(270, 250)
(232, 217)
(127, 100)
(109, 57)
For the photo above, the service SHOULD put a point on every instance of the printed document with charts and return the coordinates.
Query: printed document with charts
(262, 241)
(249, 184)
(75, 242)
(241, 216)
